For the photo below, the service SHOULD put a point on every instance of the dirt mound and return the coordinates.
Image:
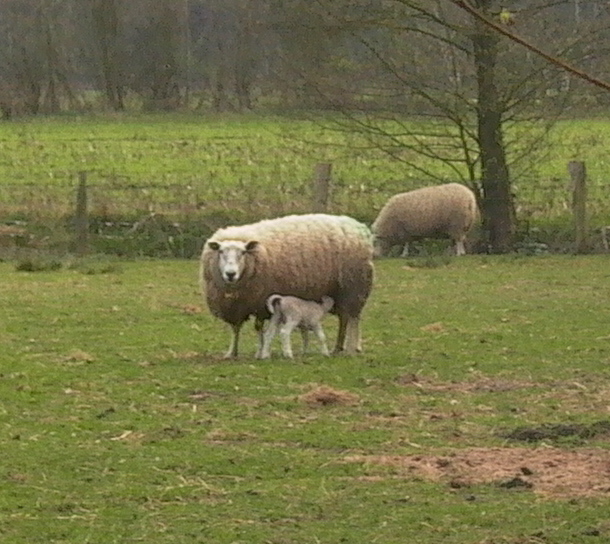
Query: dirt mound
(324, 396)
(551, 472)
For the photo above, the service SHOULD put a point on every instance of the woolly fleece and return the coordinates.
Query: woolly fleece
(308, 256)
(430, 212)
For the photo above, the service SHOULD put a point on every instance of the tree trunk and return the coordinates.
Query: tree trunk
(105, 24)
(498, 211)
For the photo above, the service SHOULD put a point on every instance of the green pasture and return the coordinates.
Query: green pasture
(120, 422)
(246, 167)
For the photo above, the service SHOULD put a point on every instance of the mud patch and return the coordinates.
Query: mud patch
(560, 431)
(551, 472)
(325, 396)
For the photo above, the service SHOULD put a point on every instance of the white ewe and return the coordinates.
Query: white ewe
(307, 256)
(448, 210)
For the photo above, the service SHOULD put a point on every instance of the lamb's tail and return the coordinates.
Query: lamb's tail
(273, 303)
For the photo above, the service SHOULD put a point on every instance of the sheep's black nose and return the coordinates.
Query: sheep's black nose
(231, 276)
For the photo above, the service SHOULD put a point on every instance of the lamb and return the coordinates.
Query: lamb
(289, 313)
(308, 256)
(448, 210)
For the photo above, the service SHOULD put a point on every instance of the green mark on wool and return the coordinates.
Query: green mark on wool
(350, 225)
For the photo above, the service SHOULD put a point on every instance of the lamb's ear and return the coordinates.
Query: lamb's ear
(251, 245)
(215, 246)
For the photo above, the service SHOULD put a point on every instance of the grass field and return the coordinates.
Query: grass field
(478, 414)
(251, 166)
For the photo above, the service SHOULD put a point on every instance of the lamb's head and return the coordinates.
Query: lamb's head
(232, 255)
(327, 304)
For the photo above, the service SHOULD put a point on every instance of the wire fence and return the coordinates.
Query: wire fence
(111, 204)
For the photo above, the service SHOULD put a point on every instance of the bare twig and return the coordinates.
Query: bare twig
(521, 41)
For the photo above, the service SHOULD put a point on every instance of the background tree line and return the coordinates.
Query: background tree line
(381, 63)
(221, 55)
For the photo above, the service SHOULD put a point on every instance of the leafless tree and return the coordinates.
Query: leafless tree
(465, 83)
(105, 18)
(37, 67)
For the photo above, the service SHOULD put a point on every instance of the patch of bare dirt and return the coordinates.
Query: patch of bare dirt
(551, 472)
(433, 327)
(323, 396)
(557, 431)
(191, 309)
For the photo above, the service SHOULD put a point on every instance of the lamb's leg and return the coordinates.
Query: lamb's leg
(267, 337)
(285, 331)
(405, 250)
(305, 337)
(232, 352)
(319, 332)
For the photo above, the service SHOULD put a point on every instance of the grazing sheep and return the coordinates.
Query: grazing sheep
(441, 211)
(307, 256)
(289, 313)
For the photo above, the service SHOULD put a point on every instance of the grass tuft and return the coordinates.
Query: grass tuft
(38, 264)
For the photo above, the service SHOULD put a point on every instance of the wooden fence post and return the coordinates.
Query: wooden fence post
(81, 219)
(578, 173)
(321, 187)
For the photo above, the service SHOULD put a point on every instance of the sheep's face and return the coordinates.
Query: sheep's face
(381, 247)
(232, 257)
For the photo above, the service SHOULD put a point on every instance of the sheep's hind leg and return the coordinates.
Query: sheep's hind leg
(340, 344)
(459, 247)
(353, 340)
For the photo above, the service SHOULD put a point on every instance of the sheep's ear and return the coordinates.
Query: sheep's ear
(251, 245)
(215, 246)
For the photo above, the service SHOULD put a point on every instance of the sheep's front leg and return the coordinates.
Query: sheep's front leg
(233, 346)
(259, 327)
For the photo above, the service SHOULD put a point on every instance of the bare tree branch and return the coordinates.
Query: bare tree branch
(521, 41)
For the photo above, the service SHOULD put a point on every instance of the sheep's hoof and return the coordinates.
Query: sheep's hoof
(346, 351)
